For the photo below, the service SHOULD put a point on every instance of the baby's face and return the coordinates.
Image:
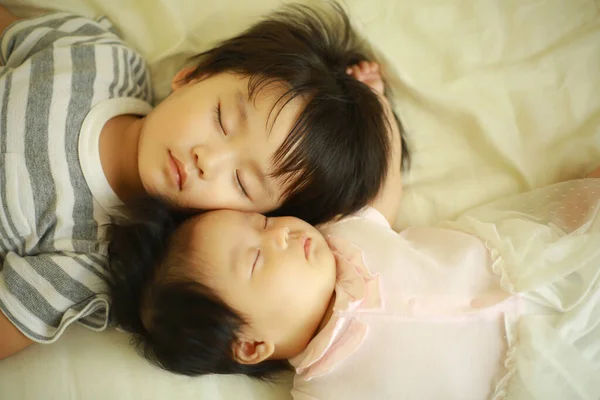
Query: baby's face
(209, 146)
(278, 273)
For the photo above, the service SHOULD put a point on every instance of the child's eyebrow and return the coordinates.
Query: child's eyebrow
(267, 186)
(264, 182)
(242, 106)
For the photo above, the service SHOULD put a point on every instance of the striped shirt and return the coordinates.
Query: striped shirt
(62, 77)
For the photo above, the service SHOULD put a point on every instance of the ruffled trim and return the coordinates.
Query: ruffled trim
(501, 388)
(498, 267)
(356, 289)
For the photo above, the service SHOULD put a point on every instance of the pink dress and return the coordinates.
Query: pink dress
(503, 303)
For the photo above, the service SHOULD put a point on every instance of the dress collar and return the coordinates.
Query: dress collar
(356, 290)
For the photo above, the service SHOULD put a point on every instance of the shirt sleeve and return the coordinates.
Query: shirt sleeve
(94, 46)
(365, 214)
(26, 37)
(43, 294)
(372, 214)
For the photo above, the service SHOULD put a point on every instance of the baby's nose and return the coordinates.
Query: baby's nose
(280, 236)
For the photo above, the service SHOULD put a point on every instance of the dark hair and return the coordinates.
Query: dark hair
(176, 322)
(335, 159)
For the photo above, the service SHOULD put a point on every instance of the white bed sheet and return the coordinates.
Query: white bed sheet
(498, 96)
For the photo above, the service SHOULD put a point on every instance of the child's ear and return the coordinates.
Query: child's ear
(179, 78)
(250, 352)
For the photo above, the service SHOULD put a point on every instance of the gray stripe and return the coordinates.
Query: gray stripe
(37, 160)
(4, 248)
(127, 68)
(32, 299)
(78, 307)
(10, 232)
(100, 41)
(51, 37)
(140, 83)
(3, 113)
(82, 85)
(22, 327)
(17, 40)
(111, 29)
(97, 318)
(115, 57)
(136, 65)
(89, 29)
(98, 260)
(88, 266)
(6, 243)
(4, 234)
(4, 71)
(45, 266)
(135, 92)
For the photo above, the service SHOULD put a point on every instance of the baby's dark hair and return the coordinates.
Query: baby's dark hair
(335, 159)
(176, 322)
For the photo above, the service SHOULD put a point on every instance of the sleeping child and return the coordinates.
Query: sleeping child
(268, 121)
(502, 303)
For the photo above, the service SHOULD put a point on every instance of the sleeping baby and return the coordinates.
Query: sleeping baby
(504, 302)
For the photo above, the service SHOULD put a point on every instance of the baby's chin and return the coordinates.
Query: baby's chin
(324, 253)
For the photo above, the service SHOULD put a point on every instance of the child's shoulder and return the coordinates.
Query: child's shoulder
(27, 38)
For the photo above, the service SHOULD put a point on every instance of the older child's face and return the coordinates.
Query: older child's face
(279, 273)
(208, 146)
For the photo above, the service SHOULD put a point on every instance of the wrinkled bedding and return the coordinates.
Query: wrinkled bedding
(498, 97)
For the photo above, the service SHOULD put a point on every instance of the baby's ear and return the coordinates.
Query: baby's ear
(247, 351)
(179, 79)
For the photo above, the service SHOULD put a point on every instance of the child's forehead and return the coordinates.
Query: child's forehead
(262, 91)
(267, 97)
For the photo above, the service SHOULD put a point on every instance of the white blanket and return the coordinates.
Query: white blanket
(497, 96)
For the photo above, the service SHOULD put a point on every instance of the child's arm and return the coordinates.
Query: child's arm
(595, 173)
(41, 295)
(387, 201)
(11, 339)
(6, 18)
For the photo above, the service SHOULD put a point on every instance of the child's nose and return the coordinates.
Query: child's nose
(210, 161)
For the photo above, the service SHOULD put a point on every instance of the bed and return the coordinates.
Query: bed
(498, 97)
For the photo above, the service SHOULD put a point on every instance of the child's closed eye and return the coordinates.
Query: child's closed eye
(255, 260)
(218, 117)
(240, 185)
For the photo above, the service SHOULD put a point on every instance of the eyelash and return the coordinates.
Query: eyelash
(238, 182)
(217, 115)
(256, 260)
(258, 253)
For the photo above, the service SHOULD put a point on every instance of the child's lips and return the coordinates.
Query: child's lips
(179, 174)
